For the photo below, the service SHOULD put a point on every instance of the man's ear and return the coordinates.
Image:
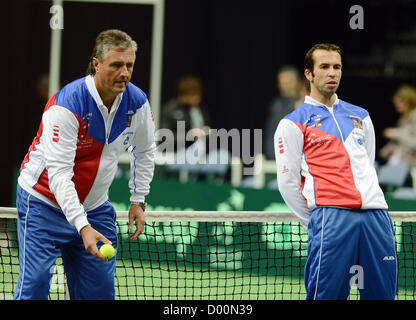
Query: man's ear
(309, 74)
(95, 63)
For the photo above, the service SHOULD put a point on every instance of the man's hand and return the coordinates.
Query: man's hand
(136, 214)
(90, 237)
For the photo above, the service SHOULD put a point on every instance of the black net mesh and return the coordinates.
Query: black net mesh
(207, 260)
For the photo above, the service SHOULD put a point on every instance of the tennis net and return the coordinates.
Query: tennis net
(209, 255)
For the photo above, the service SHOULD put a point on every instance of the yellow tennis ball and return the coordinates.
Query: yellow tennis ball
(107, 250)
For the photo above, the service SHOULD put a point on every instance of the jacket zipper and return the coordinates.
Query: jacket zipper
(108, 124)
(331, 110)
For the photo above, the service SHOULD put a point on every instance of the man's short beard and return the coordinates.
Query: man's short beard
(324, 93)
(328, 94)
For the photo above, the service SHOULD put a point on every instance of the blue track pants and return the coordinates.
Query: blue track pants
(350, 246)
(44, 233)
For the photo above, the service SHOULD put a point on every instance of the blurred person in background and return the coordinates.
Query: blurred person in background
(291, 91)
(42, 87)
(186, 118)
(401, 147)
(187, 107)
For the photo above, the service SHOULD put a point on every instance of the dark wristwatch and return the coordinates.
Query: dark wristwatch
(141, 204)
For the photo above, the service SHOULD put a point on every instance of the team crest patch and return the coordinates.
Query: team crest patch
(86, 119)
(358, 123)
(129, 117)
(318, 123)
(128, 121)
(315, 120)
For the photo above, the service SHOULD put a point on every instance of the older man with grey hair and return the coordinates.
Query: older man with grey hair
(62, 193)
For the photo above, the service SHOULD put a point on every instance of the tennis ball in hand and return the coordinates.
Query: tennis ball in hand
(107, 250)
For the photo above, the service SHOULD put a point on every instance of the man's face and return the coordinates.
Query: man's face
(326, 75)
(114, 72)
(400, 106)
(287, 84)
(191, 99)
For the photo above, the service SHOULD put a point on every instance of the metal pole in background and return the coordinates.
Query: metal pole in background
(156, 60)
(56, 24)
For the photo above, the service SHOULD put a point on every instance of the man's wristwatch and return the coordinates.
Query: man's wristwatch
(141, 204)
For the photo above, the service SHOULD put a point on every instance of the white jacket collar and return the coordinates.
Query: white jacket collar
(314, 102)
(89, 80)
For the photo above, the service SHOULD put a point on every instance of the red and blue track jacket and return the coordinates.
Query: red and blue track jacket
(74, 157)
(325, 158)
